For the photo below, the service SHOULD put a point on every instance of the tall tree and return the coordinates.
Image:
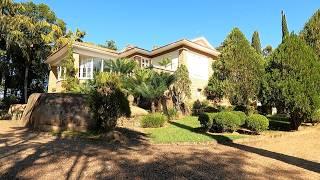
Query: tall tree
(311, 32)
(285, 31)
(255, 42)
(242, 68)
(293, 75)
(181, 87)
(267, 51)
(29, 32)
(110, 44)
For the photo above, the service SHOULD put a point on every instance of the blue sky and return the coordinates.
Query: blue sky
(146, 23)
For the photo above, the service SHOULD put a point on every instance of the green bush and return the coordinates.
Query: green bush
(257, 122)
(206, 120)
(106, 100)
(198, 107)
(242, 116)
(316, 117)
(226, 121)
(154, 120)
(224, 108)
(172, 113)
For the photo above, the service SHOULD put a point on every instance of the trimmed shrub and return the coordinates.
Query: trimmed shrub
(242, 116)
(154, 120)
(206, 120)
(172, 113)
(226, 121)
(257, 122)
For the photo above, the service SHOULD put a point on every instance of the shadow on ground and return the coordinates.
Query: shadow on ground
(26, 154)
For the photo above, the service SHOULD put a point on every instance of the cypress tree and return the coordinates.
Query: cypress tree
(242, 66)
(255, 42)
(311, 32)
(293, 79)
(285, 31)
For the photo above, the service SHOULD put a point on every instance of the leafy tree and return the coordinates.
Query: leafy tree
(106, 100)
(255, 42)
(267, 51)
(181, 87)
(110, 44)
(27, 33)
(165, 62)
(311, 32)
(293, 79)
(241, 67)
(215, 89)
(285, 31)
(79, 35)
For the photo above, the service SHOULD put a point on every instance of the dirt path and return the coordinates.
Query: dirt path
(30, 155)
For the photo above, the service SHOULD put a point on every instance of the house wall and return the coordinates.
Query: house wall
(173, 56)
(200, 70)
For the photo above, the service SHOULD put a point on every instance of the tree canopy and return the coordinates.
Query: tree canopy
(311, 32)
(242, 68)
(293, 75)
(255, 42)
(285, 31)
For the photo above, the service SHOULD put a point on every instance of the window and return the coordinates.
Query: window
(145, 62)
(61, 71)
(97, 65)
(86, 67)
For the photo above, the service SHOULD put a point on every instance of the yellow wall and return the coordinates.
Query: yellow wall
(54, 85)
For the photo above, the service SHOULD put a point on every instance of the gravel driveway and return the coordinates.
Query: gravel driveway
(29, 155)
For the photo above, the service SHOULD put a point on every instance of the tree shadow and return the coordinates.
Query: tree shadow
(218, 138)
(305, 164)
(44, 157)
(23, 151)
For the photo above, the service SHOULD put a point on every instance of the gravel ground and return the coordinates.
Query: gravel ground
(30, 155)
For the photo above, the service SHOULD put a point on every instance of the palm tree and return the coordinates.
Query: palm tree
(121, 66)
(155, 88)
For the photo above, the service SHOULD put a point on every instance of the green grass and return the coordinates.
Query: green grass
(186, 130)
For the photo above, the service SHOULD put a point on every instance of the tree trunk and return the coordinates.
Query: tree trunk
(296, 120)
(5, 88)
(25, 85)
(153, 108)
(164, 105)
(295, 123)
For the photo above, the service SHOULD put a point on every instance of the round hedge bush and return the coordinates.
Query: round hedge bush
(154, 120)
(257, 122)
(242, 116)
(206, 120)
(226, 121)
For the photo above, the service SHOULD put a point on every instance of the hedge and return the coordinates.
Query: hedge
(226, 121)
(154, 120)
(257, 122)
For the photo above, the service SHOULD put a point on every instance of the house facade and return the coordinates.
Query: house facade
(197, 54)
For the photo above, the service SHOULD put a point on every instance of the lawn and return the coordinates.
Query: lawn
(186, 130)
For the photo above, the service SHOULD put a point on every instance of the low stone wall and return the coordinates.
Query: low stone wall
(58, 111)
